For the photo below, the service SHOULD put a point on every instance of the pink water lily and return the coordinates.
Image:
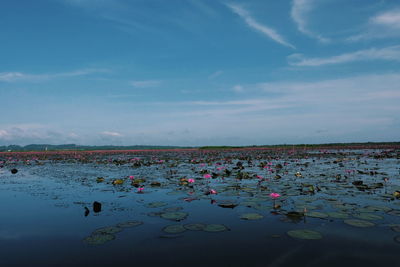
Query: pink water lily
(131, 177)
(274, 195)
(191, 180)
(212, 191)
(207, 175)
(140, 189)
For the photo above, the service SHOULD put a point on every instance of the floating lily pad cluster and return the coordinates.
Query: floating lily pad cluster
(105, 234)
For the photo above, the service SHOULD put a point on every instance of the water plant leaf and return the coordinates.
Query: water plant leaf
(316, 214)
(195, 226)
(174, 216)
(338, 215)
(359, 223)
(251, 216)
(129, 224)
(305, 234)
(215, 228)
(98, 239)
(368, 216)
(108, 230)
(156, 204)
(174, 229)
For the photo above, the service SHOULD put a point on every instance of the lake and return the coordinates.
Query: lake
(193, 207)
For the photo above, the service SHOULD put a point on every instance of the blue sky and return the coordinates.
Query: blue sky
(199, 72)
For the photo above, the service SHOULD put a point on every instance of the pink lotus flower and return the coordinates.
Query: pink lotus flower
(207, 175)
(212, 191)
(191, 180)
(140, 189)
(274, 195)
(260, 177)
(131, 177)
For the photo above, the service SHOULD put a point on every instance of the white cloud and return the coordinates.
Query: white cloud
(145, 84)
(215, 74)
(391, 53)
(252, 23)
(382, 25)
(299, 13)
(26, 77)
(111, 134)
(238, 88)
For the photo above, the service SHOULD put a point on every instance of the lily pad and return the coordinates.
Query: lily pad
(108, 230)
(305, 234)
(215, 228)
(98, 239)
(129, 224)
(156, 204)
(251, 216)
(368, 216)
(396, 228)
(316, 214)
(359, 223)
(195, 226)
(174, 229)
(338, 215)
(174, 216)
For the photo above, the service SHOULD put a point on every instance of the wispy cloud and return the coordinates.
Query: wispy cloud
(111, 134)
(215, 74)
(28, 77)
(391, 53)
(254, 24)
(299, 13)
(382, 25)
(145, 83)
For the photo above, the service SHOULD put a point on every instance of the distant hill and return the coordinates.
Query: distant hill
(46, 147)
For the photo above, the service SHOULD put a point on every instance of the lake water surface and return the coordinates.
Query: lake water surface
(336, 208)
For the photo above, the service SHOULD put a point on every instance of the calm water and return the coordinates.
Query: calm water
(44, 222)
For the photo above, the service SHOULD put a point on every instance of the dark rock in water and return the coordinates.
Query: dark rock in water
(357, 183)
(96, 206)
(87, 211)
(14, 171)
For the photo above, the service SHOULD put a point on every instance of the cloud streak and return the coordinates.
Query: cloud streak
(28, 77)
(391, 53)
(299, 13)
(254, 24)
(383, 25)
(145, 83)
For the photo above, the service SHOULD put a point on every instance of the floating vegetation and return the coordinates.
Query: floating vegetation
(98, 239)
(195, 226)
(174, 229)
(174, 216)
(359, 223)
(215, 228)
(304, 234)
(129, 224)
(251, 216)
(156, 204)
(108, 230)
(368, 216)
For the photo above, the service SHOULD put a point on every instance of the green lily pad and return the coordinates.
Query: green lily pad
(251, 216)
(108, 230)
(172, 209)
(156, 204)
(359, 223)
(215, 228)
(396, 228)
(174, 216)
(378, 208)
(129, 224)
(195, 226)
(98, 239)
(338, 215)
(368, 216)
(316, 214)
(174, 229)
(305, 234)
